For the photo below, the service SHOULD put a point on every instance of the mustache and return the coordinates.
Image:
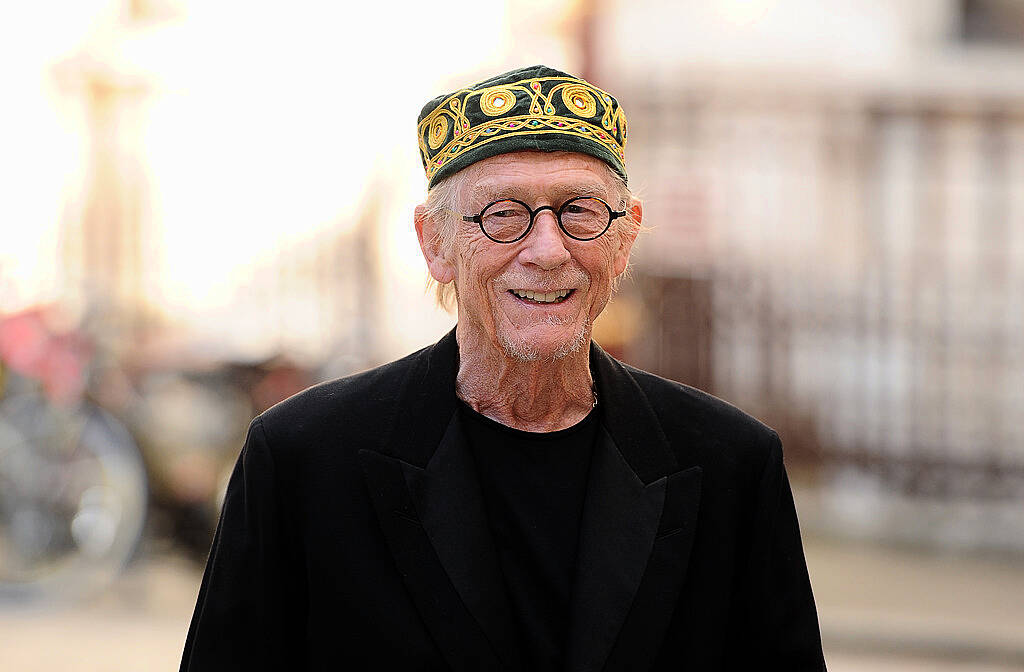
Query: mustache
(565, 278)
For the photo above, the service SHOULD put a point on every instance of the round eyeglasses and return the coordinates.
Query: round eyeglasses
(580, 218)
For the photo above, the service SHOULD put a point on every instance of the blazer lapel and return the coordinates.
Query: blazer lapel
(447, 497)
(636, 532)
(430, 507)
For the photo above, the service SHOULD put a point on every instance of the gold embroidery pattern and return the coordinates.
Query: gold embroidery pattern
(495, 102)
(579, 101)
(526, 125)
(448, 131)
(438, 132)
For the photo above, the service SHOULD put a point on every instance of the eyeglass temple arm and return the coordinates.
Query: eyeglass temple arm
(473, 218)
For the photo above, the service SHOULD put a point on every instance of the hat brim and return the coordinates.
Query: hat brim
(551, 141)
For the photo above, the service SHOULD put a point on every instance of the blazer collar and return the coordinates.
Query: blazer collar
(635, 534)
(427, 403)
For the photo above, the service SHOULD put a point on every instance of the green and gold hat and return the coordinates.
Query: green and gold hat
(534, 108)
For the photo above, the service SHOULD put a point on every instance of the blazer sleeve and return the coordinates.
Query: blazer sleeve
(250, 610)
(781, 618)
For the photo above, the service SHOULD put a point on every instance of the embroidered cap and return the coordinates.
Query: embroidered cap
(534, 108)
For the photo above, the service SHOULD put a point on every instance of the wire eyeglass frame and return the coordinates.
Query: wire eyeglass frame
(479, 219)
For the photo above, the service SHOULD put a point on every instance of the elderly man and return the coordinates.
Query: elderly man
(511, 498)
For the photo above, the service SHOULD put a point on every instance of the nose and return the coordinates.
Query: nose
(545, 246)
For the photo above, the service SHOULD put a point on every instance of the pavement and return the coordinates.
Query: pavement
(885, 608)
(881, 609)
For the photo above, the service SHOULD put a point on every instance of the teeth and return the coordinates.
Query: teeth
(541, 297)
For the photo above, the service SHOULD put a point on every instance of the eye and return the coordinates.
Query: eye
(507, 212)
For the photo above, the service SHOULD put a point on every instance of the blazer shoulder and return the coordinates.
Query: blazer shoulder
(360, 403)
(685, 411)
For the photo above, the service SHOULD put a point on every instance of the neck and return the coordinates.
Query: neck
(534, 396)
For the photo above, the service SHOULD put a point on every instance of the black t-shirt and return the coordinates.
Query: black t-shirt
(534, 485)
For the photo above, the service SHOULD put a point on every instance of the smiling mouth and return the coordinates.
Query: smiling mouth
(530, 296)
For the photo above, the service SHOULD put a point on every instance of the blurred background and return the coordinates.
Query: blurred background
(207, 206)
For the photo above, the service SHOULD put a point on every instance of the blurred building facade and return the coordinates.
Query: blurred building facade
(838, 243)
(835, 190)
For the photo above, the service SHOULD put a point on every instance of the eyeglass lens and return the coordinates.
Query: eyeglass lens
(581, 218)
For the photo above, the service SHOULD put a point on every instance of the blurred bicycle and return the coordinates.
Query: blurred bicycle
(100, 439)
(73, 487)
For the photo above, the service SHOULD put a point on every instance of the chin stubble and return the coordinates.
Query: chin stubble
(524, 351)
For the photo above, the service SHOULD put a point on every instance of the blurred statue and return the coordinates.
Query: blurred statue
(511, 497)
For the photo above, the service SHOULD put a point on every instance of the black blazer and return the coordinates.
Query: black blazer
(353, 537)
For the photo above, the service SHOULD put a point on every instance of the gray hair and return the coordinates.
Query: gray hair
(442, 206)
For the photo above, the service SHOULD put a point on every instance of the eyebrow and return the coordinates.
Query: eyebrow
(488, 193)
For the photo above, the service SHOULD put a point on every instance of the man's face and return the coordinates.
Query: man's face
(492, 279)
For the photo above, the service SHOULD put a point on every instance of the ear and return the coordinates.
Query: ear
(441, 269)
(627, 235)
